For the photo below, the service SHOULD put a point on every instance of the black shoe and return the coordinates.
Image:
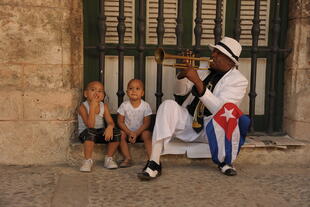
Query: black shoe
(228, 170)
(144, 176)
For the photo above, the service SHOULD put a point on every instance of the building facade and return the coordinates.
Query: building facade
(44, 64)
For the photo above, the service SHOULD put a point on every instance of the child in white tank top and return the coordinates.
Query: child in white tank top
(91, 116)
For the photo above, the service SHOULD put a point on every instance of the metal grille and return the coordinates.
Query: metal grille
(154, 27)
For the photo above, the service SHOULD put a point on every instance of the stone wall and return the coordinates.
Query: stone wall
(297, 73)
(41, 64)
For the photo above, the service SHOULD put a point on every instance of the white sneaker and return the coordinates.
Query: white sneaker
(110, 163)
(87, 165)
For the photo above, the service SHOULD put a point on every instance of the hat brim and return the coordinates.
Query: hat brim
(224, 51)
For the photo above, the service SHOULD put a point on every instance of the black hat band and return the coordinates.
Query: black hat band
(228, 50)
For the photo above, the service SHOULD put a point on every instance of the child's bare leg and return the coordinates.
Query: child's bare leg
(112, 147)
(124, 146)
(146, 136)
(88, 149)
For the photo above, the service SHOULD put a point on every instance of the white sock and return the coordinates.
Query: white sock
(155, 156)
(156, 150)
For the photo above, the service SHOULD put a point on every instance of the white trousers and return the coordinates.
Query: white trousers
(172, 120)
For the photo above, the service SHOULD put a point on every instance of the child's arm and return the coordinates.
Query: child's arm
(108, 133)
(88, 119)
(122, 125)
(146, 124)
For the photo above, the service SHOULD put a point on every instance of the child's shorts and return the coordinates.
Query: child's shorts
(96, 135)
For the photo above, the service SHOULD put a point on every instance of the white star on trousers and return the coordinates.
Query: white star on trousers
(228, 114)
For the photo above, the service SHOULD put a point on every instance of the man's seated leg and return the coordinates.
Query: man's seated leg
(152, 168)
(170, 116)
(227, 169)
(151, 171)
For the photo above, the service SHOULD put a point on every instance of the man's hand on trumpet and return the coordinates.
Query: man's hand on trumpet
(191, 74)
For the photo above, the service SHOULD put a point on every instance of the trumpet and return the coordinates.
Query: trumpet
(188, 59)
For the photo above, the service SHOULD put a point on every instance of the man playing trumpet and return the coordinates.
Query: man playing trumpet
(208, 93)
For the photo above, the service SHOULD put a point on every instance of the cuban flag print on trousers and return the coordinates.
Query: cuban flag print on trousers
(226, 133)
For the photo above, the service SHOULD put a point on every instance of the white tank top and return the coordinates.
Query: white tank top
(99, 122)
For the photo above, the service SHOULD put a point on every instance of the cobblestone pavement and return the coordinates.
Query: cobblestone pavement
(196, 184)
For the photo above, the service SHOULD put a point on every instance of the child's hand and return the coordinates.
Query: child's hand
(108, 133)
(132, 137)
(94, 101)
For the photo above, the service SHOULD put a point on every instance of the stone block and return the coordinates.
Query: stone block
(291, 155)
(72, 38)
(304, 44)
(292, 43)
(30, 35)
(289, 80)
(11, 76)
(51, 104)
(72, 76)
(299, 41)
(34, 142)
(41, 3)
(297, 107)
(296, 81)
(299, 8)
(43, 76)
(297, 129)
(11, 106)
(297, 95)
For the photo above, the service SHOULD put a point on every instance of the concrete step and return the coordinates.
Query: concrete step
(262, 150)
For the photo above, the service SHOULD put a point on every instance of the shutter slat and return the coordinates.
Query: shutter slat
(208, 16)
(111, 12)
(246, 16)
(170, 15)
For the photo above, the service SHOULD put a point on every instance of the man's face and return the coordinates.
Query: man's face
(220, 61)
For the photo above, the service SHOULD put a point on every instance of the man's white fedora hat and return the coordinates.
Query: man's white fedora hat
(230, 47)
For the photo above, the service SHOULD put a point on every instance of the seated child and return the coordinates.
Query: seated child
(92, 127)
(134, 118)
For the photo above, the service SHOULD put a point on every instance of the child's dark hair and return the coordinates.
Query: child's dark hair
(87, 87)
(91, 82)
(135, 79)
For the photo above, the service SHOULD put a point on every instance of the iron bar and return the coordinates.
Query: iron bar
(121, 28)
(102, 28)
(141, 43)
(160, 37)
(179, 28)
(237, 20)
(198, 28)
(255, 34)
(274, 51)
(218, 21)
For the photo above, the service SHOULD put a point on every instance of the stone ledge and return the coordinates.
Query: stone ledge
(282, 142)
(262, 150)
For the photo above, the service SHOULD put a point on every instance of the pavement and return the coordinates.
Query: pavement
(196, 183)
